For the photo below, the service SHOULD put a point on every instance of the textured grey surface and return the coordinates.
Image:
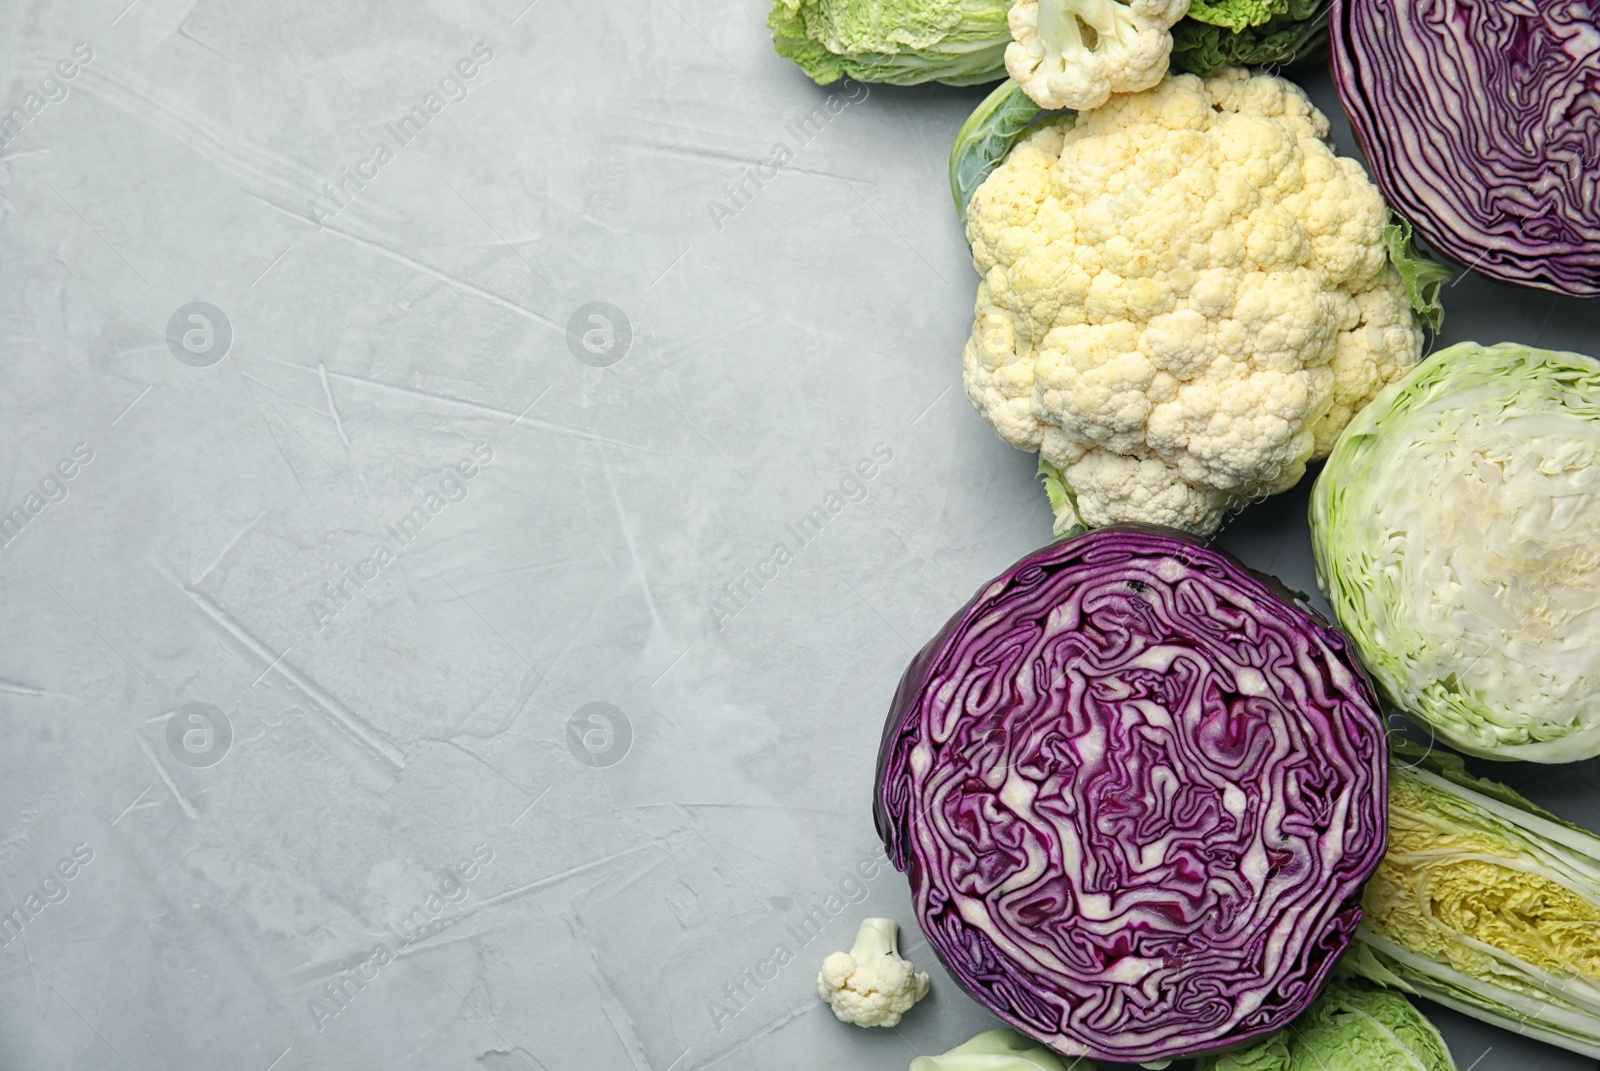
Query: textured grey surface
(640, 867)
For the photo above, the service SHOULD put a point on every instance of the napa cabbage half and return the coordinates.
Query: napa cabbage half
(1485, 903)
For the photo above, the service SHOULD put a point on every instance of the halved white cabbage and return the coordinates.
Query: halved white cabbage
(1457, 537)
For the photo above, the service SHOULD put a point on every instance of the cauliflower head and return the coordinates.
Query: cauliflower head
(1185, 297)
(870, 985)
(1076, 53)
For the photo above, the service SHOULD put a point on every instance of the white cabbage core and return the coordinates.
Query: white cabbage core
(1505, 559)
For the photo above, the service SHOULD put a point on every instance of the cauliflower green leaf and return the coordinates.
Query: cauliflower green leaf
(1424, 278)
(1063, 503)
(987, 135)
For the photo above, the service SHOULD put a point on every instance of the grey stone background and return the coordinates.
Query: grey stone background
(267, 779)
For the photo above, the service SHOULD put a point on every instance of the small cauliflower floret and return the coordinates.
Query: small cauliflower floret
(1186, 297)
(1076, 53)
(870, 985)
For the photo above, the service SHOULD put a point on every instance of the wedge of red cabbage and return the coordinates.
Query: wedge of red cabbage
(1481, 120)
(1137, 790)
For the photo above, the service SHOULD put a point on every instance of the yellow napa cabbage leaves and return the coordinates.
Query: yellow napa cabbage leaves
(1457, 883)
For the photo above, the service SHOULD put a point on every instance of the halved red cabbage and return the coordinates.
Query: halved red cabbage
(1137, 790)
(1481, 120)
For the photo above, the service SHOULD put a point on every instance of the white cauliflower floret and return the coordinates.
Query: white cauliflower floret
(1076, 53)
(870, 985)
(1185, 297)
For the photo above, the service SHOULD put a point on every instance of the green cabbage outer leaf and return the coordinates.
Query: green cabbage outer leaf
(1424, 278)
(1454, 529)
(1351, 1027)
(1271, 1054)
(999, 1050)
(1298, 36)
(897, 42)
(1243, 14)
(1485, 903)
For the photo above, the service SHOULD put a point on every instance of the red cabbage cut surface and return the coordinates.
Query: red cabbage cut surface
(1481, 119)
(1137, 792)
